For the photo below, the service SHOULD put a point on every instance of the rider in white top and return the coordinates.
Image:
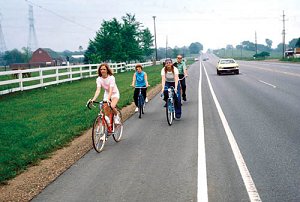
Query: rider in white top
(107, 81)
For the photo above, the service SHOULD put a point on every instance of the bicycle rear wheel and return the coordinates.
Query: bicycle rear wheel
(117, 135)
(169, 112)
(99, 134)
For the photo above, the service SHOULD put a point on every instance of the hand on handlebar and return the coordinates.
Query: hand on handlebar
(90, 103)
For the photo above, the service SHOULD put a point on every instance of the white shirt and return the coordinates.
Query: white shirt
(170, 77)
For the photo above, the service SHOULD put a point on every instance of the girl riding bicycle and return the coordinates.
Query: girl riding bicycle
(106, 80)
(169, 77)
(139, 80)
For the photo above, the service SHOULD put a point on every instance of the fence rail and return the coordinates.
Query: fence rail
(26, 79)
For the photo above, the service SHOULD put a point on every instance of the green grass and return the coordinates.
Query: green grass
(34, 123)
(244, 54)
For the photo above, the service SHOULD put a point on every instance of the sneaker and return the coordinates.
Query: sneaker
(184, 98)
(136, 109)
(117, 120)
(146, 100)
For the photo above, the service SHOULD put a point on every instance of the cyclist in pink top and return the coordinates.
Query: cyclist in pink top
(106, 80)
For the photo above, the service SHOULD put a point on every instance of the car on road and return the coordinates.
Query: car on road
(228, 65)
(204, 59)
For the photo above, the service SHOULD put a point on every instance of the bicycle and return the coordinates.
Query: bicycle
(170, 107)
(104, 126)
(141, 101)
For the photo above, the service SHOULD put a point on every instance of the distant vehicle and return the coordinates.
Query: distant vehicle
(227, 65)
(196, 59)
(204, 59)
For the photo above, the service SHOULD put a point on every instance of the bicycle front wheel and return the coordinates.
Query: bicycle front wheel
(99, 134)
(117, 135)
(141, 106)
(169, 113)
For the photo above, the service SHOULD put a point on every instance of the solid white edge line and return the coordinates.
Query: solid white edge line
(249, 184)
(202, 194)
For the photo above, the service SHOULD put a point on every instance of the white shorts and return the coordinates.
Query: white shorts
(114, 95)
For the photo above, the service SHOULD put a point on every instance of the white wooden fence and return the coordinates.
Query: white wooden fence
(26, 79)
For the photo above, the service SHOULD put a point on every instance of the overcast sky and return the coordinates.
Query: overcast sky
(68, 24)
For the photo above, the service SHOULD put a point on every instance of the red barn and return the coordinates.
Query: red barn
(45, 57)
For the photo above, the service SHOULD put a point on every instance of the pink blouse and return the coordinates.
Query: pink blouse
(107, 83)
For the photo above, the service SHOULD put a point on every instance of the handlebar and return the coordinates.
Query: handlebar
(139, 87)
(90, 103)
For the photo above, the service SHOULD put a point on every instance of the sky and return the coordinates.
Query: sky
(67, 24)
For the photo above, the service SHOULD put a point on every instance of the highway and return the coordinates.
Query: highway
(156, 162)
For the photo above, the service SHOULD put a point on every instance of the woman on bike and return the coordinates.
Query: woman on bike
(169, 77)
(139, 79)
(106, 80)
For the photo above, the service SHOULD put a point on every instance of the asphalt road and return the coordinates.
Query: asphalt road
(157, 162)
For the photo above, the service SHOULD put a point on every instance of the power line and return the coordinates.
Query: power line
(58, 15)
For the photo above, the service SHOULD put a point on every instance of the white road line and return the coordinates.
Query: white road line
(249, 184)
(267, 83)
(202, 194)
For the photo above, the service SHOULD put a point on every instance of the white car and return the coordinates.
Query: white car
(227, 65)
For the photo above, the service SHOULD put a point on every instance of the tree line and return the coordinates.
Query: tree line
(127, 41)
(115, 41)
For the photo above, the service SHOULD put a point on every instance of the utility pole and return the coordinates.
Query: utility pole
(283, 35)
(166, 46)
(255, 43)
(155, 39)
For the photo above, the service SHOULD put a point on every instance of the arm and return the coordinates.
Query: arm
(109, 93)
(176, 81)
(163, 81)
(133, 80)
(146, 79)
(185, 70)
(98, 90)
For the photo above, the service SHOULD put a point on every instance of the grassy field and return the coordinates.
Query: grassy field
(34, 123)
(244, 54)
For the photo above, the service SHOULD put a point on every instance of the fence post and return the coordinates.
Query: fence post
(21, 80)
(57, 77)
(90, 70)
(81, 72)
(41, 76)
(70, 74)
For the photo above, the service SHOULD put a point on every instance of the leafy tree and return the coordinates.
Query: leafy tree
(279, 47)
(146, 42)
(292, 43)
(229, 46)
(195, 48)
(269, 43)
(14, 56)
(297, 45)
(119, 41)
(248, 45)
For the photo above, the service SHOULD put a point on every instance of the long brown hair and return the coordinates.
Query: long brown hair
(172, 69)
(109, 70)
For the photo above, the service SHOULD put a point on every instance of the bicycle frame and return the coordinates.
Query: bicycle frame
(141, 101)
